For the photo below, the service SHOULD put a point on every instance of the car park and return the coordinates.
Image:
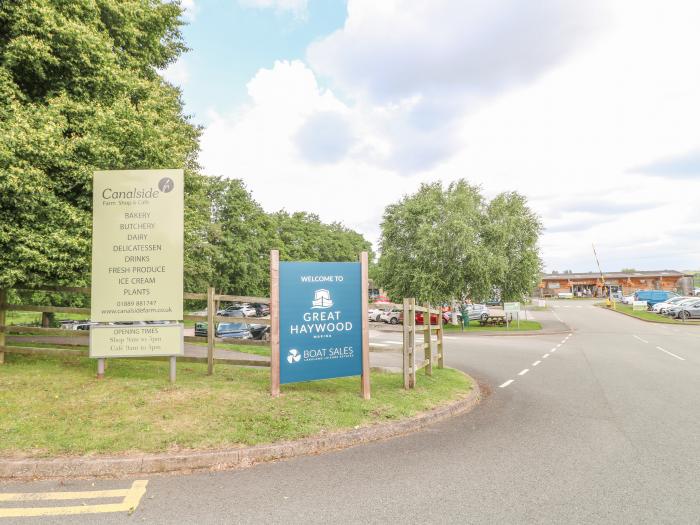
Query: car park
(663, 306)
(688, 309)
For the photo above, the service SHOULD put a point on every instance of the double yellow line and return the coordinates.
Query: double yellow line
(131, 499)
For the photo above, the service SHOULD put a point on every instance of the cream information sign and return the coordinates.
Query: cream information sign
(137, 245)
(136, 340)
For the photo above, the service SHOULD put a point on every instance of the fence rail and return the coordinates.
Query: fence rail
(78, 348)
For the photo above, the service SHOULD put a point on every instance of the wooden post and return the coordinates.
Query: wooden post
(427, 341)
(275, 323)
(406, 339)
(211, 329)
(412, 342)
(3, 319)
(364, 271)
(441, 348)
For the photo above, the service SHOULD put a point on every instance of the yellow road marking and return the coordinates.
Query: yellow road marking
(131, 499)
(45, 496)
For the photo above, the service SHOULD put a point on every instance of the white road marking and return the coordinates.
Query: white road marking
(536, 363)
(670, 353)
(554, 349)
(545, 356)
(642, 340)
(558, 318)
(506, 384)
(523, 372)
(579, 307)
(558, 345)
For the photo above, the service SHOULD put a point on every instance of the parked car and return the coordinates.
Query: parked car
(420, 318)
(393, 316)
(235, 330)
(374, 314)
(663, 306)
(247, 309)
(261, 309)
(685, 310)
(628, 299)
(653, 296)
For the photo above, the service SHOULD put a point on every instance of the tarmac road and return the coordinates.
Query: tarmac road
(602, 426)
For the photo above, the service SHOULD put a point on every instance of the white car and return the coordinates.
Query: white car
(663, 306)
(374, 314)
(628, 299)
(393, 316)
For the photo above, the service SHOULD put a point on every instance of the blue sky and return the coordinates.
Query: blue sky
(230, 42)
(590, 109)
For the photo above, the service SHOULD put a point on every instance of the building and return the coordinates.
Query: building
(591, 284)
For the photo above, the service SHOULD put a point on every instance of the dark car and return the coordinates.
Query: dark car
(235, 330)
(261, 309)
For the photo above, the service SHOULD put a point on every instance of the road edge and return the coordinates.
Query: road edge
(228, 459)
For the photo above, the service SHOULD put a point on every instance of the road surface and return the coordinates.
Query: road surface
(602, 426)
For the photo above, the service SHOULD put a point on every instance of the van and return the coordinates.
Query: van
(653, 296)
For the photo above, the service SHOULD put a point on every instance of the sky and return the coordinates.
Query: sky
(590, 109)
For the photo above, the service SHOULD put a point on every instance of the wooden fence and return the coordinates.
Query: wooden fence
(410, 331)
(79, 348)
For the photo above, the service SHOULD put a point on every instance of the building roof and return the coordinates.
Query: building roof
(615, 275)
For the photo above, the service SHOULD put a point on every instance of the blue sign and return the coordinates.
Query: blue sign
(320, 320)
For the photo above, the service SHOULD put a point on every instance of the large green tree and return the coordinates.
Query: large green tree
(431, 245)
(80, 91)
(444, 243)
(511, 233)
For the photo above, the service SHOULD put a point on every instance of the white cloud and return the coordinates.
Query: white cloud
(177, 73)
(296, 7)
(568, 132)
(189, 10)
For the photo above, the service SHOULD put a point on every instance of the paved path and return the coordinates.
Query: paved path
(598, 427)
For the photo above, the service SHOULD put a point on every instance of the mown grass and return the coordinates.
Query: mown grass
(34, 318)
(646, 314)
(474, 326)
(55, 406)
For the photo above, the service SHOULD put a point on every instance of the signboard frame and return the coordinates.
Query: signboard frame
(103, 328)
(137, 245)
(275, 325)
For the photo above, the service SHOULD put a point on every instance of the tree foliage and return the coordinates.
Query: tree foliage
(444, 243)
(79, 92)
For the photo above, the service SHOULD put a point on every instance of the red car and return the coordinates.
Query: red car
(433, 318)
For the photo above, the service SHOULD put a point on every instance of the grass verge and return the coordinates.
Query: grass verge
(51, 406)
(646, 315)
(475, 327)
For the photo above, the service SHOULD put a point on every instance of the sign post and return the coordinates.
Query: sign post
(511, 307)
(319, 322)
(137, 264)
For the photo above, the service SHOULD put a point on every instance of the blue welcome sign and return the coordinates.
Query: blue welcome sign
(320, 320)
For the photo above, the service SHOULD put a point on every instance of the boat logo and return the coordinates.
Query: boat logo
(322, 299)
